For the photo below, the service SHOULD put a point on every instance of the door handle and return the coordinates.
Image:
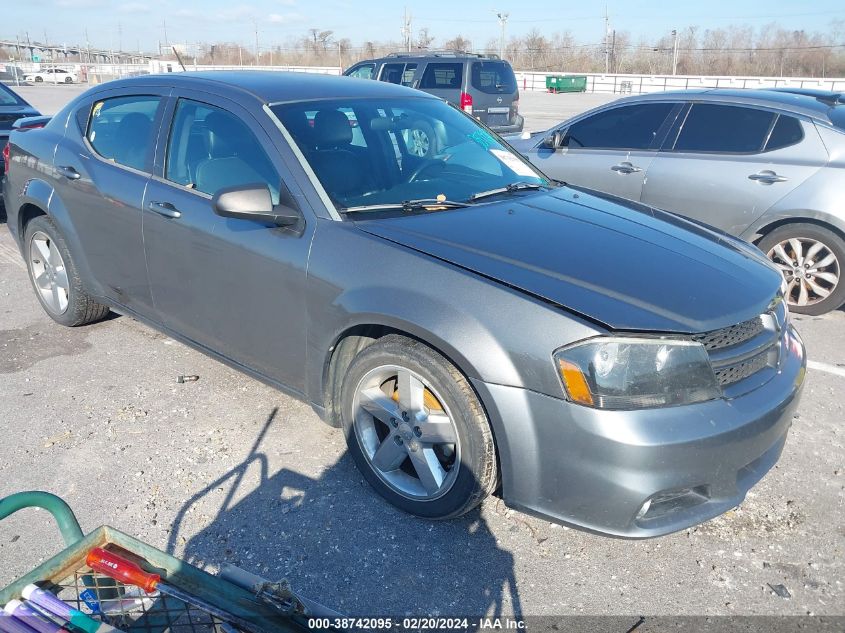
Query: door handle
(164, 209)
(626, 168)
(68, 172)
(767, 177)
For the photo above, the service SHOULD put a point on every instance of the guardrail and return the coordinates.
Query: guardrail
(640, 84)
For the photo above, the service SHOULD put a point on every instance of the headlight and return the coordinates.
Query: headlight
(636, 373)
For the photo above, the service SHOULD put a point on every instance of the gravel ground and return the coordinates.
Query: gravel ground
(226, 469)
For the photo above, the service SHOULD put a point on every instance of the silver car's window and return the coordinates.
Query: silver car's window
(210, 149)
(625, 127)
(121, 129)
(726, 129)
(787, 131)
(386, 151)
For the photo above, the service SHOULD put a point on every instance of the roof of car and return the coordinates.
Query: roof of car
(273, 86)
(803, 104)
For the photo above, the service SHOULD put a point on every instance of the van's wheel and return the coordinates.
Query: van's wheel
(55, 278)
(811, 258)
(422, 140)
(416, 429)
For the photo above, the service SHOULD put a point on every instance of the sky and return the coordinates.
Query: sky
(142, 23)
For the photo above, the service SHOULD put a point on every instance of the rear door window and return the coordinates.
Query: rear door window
(121, 129)
(725, 129)
(633, 127)
(493, 77)
(442, 76)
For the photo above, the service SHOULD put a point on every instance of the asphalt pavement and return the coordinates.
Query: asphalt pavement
(226, 469)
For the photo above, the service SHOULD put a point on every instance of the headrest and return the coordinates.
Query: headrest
(332, 129)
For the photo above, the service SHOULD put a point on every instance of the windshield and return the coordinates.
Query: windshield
(389, 151)
(7, 97)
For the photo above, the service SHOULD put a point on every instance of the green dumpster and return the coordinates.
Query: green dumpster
(566, 83)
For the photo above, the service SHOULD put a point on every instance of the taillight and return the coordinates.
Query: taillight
(6, 154)
(33, 126)
(466, 102)
(516, 105)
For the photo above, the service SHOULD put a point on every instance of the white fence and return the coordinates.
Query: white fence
(639, 84)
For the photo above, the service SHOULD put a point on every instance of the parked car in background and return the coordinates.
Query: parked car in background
(481, 85)
(52, 75)
(767, 166)
(466, 321)
(13, 107)
(11, 75)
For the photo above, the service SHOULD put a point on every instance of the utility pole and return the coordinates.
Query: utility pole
(406, 30)
(255, 23)
(164, 25)
(675, 52)
(606, 43)
(503, 19)
(119, 37)
(613, 65)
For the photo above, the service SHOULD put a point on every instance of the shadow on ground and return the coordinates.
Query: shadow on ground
(338, 543)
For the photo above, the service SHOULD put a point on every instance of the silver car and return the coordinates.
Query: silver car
(763, 165)
(468, 323)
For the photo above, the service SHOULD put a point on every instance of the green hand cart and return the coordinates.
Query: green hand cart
(233, 601)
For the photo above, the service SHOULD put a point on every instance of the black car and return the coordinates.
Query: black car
(12, 108)
(482, 85)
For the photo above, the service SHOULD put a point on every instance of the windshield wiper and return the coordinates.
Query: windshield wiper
(429, 204)
(514, 186)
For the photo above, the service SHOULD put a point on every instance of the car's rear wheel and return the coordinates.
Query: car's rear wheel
(55, 278)
(812, 259)
(416, 429)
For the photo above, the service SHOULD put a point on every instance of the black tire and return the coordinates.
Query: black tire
(81, 308)
(832, 241)
(39, 80)
(478, 474)
(68, 80)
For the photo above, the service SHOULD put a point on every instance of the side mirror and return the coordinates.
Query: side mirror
(252, 202)
(554, 140)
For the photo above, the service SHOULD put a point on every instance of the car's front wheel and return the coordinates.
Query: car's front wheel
(38, 79)
(811, 258)
(416, 429)
(68, 80)
(55, 278)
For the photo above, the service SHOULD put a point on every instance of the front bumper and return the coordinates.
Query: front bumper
(597, 469)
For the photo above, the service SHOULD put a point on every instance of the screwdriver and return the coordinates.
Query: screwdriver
(125, 571)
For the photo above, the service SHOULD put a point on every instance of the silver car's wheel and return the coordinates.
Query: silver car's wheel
(811, 258)
(406, 432)
(419, 143)
(415, 427)
(49, 273)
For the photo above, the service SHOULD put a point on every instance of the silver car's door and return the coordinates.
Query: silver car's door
(235, 286)
(609, 150)
(727, 164)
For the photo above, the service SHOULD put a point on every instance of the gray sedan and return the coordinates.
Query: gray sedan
(764, 165)
(470, 324)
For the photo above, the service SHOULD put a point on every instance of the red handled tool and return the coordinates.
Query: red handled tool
(125, 571)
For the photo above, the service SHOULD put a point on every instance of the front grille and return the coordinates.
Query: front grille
(741, 351)
(734, 373)
(733, 335)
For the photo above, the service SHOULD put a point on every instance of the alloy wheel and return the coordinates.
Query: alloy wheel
(810, 267)
(406, 433)
(419, 144)
(48, 272)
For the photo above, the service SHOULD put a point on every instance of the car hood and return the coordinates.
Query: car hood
(624, 265)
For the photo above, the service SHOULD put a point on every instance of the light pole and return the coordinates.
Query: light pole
(503, 19)
(675, 52)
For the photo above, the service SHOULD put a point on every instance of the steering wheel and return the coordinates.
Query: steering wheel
(422, 167)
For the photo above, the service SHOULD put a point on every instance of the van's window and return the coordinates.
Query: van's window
(442, 76)
(626, 127)
(713, 127)
(364, 71)
(210, 149)
(121, 129)
(493, 77)
(787, 131)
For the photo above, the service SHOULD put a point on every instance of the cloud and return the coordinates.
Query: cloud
(284, 18)
(133, 7)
